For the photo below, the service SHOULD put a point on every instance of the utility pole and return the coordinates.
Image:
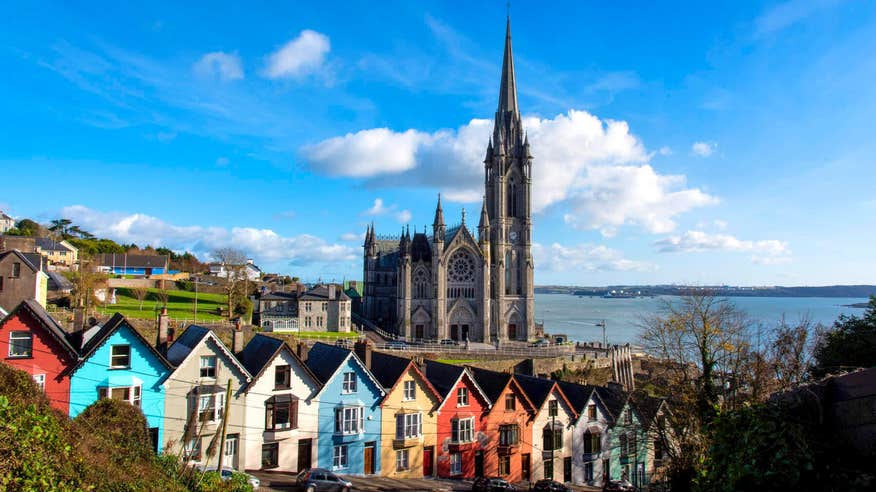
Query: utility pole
(195, 314)
(224, 427)
(602, 325)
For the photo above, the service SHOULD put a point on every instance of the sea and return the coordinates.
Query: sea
(577, 317)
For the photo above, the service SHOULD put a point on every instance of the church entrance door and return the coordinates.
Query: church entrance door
(454, 332)
(465, 332)
(418, 332)
(512, 331)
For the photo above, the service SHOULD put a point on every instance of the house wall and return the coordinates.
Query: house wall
(394, 404)
(145, 370)
(28, 285)
(625, 466)
(367, 395)
(303, 387)
(449, 411)
(600, 425)
(48, 358)
(565, 418)
(179, 403)
(497, 416)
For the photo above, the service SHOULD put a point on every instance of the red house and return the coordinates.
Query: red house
(508, 426)
(32, 341)
(460, 439)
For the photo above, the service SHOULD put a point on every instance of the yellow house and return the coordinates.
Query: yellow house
(409, 419)
(57, 252)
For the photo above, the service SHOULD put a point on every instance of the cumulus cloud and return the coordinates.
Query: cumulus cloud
(225, 66)
(703, 149)
(766, 251)
(665, 150)
(378, 208)
(597, 167)
(352, 236)
(587, 257)
(261, 244)
(403, 216)
(299, 57)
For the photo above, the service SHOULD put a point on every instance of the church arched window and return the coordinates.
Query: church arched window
(509, 268)
(461, 275)
(512, 198)
(421, 284)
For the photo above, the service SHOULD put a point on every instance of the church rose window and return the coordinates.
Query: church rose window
(461, 268)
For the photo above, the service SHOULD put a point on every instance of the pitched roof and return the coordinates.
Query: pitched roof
(388, 370)
(36, 260)
(186, 343)
(492, 382)
(261, 350)
(647, 407)
(536, 389)
(104, 331)
(58, 281)
(279, 296)
(323, 360)
(321, 293)
(577, 394)
(443, 377)
(52, 327)
(614, 399)
(24, 257)
(49, 244)
(132, 261)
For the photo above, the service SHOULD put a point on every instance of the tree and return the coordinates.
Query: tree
(851, 343)
(27, 227)
(233, 263)
(140, 294)
(61, 227)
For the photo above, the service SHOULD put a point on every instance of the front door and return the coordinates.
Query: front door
(153, 438)
(465, 332)
(512, 332)
(418, 332)
(479, 463)
(454, 332)
(369, 458)
(567, 469)
(524, 464)
(606, 471)
(427, 460)
(304, 456)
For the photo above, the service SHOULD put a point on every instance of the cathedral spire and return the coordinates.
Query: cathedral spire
(485, 219)
(508, 87)
(439, 213)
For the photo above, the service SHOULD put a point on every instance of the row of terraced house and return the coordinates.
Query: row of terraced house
(357, 412)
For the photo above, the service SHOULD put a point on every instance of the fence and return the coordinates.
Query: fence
(527, 352)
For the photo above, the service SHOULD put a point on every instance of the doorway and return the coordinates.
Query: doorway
(567, 469)
(428, 451)
(153, 438)
(512, 331)
(369, 458)
(524, 464)
(479, 464)
(304, 456)
(418, 332)
(454, 332)
(465, 332)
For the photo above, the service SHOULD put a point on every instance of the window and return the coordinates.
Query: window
(193, 449)
(553, 408)
(401, 460)
(410, 390)
(592, 443)
(622, 439)
(120, 356)
(211, 407)
(208, 366)
(349, 420)
(462, 430)
(591, 412)
(408, 426)
(628, 416)
(40, 380)
(349, 382)
(549, 469)
(270, 455)
(505, 465)
(658, 450)
(510, 403)
(16, 270)
(130, 394)
(631, 443)
(282, 377)
(230, 446)
(509, 435)
(462, 397)
(281, 413)
(324, 306)
(307, 307)
(20, 344)
(1, 284)
(339, 457)
(552, 439)
(455, 464)
(588, 471)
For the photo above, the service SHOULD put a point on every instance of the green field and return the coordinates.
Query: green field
(180, 305)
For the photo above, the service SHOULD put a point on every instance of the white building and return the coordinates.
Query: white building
(552, 429)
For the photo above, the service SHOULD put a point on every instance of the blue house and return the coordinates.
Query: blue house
(349, 411)
(117, 362)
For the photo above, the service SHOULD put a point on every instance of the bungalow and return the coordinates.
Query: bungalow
(57, 252)
(139, 265)
(459, 436)
(552, 428)
(281, 413)
(590, 434)
(508, 425)
(117, 362)
(22, 278)
(349, 411)
(408, 414)
(625, 456)
(204, 368)
(32, 341)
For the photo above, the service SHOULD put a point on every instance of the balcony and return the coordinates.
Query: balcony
(407, 442)
(505, 449)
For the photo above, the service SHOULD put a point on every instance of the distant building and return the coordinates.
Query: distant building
(140, 265)
(322, 308)
(57, 252)
(251, 271)
(24, 244)
(6, 222)
(22, 278)
(278, 311)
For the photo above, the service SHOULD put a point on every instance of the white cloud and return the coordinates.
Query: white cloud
(378, 208)
(766, 251)
(225, 66)
(352, 236)
(261, 244)
(703, 149)
(596, 167)
(665, 150)
(587, 257)
(403, 216)
(301, 56)
(720, 224)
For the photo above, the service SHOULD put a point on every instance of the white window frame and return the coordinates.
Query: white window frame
(410, 390)
(135, 393)
(350, 383)
(402, 460)
(214, 402)
(19, 335)
(462, 397)
(40, 380)
(113, 356)
(455, 463)
(349, 420)
(231, 446)
(409, 426)
(205, 363)
(462, 430)
(339, 457)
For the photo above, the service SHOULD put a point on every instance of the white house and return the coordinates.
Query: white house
(251, 271)
(590, 433)
(552, 429)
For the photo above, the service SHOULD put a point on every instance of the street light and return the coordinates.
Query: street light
(602, 325)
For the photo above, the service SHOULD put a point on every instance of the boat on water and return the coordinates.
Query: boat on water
(622, 294)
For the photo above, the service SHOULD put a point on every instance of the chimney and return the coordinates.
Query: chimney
(363, 351)
(301, 351)
(163, 331)
(237, 338)
(78, 319)
(331, 291)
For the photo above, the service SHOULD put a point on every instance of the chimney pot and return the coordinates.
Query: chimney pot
(363, 351)
(163, 331)
(237, 338)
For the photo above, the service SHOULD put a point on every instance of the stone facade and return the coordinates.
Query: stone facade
(455, 284)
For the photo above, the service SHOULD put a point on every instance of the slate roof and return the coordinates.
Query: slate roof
(387, 369)
(323, 360)
(103, 333)
(421, 250)
(614, 400)
(36, 260)
(442, 376)
(132, 261)
(279, 296)
(52, 327)
(647, 408)
(536, 389)
(183, 346)
(577, 394)
(24, 257)
(492, 382)
(58, 281)
(321, 293)
(49, 244)
(261, 350)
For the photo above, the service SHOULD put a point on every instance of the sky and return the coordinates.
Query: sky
(694, 143)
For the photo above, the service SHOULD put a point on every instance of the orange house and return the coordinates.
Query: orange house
(508, 426)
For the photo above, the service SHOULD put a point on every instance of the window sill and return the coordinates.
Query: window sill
(19, 357)
(120, 368)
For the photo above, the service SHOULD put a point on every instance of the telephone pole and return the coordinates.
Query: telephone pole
(224, 427)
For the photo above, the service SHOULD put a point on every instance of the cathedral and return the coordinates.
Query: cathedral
(455, 284)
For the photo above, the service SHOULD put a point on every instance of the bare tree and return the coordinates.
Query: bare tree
(140, 294)
(790, 352)
(233, 263)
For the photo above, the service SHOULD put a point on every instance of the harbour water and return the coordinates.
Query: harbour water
(577, 316)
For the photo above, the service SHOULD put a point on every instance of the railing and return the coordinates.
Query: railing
(373, 327)
(553, 351)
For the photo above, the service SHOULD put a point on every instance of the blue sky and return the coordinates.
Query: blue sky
(701, 142)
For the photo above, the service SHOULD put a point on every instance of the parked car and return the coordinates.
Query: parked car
(550, 486)
(491, 484)
(618, 486)
(397, 344)
(448, 341)
(540, 343)
(321, 480)
(227, 473)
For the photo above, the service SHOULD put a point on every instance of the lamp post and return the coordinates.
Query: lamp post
(602, 325)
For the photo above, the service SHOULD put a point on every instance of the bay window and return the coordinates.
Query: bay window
(408, 426)
(349, 420)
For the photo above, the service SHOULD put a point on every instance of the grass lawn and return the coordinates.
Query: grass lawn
(322, 334)
(180, 305)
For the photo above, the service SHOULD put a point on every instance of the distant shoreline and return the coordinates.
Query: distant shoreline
(860, 305)
(847, 291)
